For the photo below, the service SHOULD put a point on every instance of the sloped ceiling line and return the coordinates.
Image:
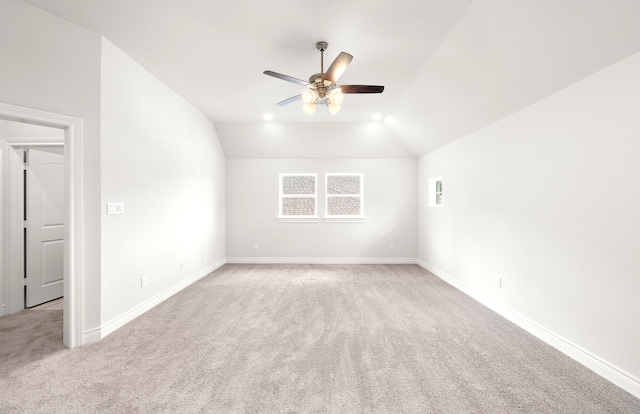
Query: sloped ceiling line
(449, 68)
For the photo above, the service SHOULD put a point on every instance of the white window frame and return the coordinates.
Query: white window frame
(433, 193)
(343, 218)
(297, 219)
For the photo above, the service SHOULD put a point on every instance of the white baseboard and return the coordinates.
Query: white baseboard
(603, 368)
(92, 335)
(320, 260)
(96, 334)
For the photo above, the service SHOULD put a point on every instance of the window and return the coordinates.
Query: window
(435, 192)
(344, 194)
(298, 196)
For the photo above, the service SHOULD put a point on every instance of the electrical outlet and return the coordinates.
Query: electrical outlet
(255, 246)
(203, 257)
(115, 208)
(498, 282)
(392, 246)
(181, 265)
(143, 282)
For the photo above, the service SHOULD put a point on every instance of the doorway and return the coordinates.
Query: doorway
(12, 291)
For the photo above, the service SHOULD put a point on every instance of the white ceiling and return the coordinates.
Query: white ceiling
(448, 67)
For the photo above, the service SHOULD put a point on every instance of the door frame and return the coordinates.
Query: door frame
(73, 315)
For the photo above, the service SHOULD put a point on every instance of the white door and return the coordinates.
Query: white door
(45, 226)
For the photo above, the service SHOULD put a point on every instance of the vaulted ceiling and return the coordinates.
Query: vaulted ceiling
(448, 67)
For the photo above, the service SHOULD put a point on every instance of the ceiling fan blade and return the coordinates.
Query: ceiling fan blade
(361, 88)
(289, 100)
(286, 77)
(338, 67)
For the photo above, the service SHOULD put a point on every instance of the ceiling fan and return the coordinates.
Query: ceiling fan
(322, 87)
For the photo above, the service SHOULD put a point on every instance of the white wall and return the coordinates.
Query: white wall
(161, 157)
(52, 65)
(548, 199)
(305, 140)
(390, 203)
(13, 129)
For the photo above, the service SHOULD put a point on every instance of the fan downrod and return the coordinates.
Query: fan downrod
(321, 46)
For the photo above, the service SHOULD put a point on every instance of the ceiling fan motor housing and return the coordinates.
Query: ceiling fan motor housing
(322, 87)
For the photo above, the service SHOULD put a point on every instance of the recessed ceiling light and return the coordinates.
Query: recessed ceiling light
(268, 117)
(377, 117)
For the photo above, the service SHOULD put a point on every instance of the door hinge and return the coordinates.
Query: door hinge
(24, 281)
(25, 224)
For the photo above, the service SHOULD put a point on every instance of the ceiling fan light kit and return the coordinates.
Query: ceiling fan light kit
(322, 88)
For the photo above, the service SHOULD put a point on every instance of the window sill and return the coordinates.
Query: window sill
(297, 219)
(344, 219)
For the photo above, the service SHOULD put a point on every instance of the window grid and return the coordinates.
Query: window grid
(436, 193)
(344, 195)
(298, 196)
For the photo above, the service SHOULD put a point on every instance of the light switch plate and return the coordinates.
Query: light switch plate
(115, 208)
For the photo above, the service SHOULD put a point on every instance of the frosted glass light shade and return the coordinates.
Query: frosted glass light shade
(337, 96)
(308, 96)
(309, 108)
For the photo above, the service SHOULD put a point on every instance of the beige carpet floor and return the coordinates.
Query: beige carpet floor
(301, 339)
